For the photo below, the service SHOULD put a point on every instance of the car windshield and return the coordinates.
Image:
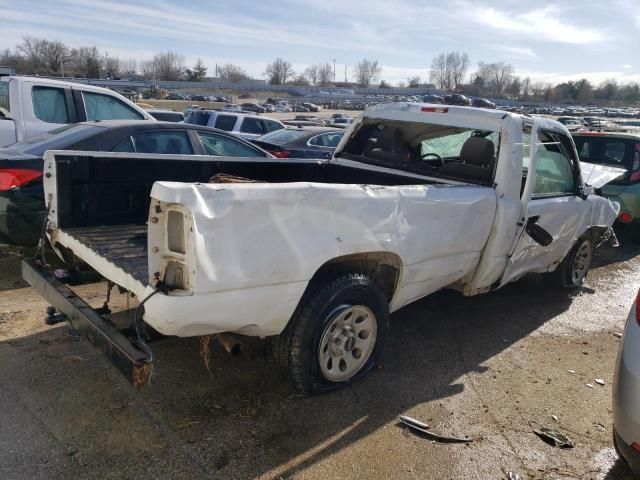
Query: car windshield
(607, 150)
(285, 135)
(59, 138)
(426, 149)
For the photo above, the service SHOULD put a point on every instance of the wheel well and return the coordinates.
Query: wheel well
(383, 267)
(595, 233)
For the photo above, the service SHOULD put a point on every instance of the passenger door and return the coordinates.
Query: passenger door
(551, 199)
(46, 108)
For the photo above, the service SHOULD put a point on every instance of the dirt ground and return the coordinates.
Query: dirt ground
(488, 367)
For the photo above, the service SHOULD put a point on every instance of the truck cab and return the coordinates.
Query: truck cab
(32, 105)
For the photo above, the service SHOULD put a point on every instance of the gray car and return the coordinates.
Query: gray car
(626, 392)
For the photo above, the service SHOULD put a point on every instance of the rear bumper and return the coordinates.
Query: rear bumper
(21, 218)
(132, 363)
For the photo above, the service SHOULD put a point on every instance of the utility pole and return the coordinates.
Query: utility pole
(334, 70)
(345, 73)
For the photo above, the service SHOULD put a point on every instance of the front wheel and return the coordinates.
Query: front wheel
(573, 270)
(337, 333)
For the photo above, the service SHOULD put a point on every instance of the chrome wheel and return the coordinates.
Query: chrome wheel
(581, 263)
(347, 342)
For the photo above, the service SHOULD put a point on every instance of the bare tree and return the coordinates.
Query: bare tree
(449, 69)
(279, 71)
(525, 88)
(413, 82)
(168, 66)
(149, 71)
(112, 67)
(438, 73)
(32, 50)
(128, 67)
(84, 62)
(367, 72)
(312, 73)
(495, 76)
(325, 74)
(232, 73)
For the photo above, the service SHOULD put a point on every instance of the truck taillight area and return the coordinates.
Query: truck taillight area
(170, 242)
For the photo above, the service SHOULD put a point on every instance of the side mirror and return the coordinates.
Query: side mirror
(537, 233)
(585, 191)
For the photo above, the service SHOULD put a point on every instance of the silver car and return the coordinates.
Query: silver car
(626, 392)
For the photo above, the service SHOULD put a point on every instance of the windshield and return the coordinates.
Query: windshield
(434, 150)
(285, 135)
(59, 138)
(607, 150)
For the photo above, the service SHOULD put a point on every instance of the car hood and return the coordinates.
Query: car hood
(597, 176)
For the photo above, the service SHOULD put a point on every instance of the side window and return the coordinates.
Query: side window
(332, 139)
(272, 126)
(49, 104)
(252, 125)
(317, 141)
(220, 145)
(226, 122)
(169, 142)
(125, 146)
(106, 107)
(554, 172)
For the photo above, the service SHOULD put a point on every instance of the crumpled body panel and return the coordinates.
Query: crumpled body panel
(250, 237)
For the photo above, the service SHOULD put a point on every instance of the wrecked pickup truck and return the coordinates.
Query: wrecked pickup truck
(318, 252)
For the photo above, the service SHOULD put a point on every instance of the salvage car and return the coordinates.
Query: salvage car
(32, 105)
(617, 150)
(22, 208)
(307, 142)
(318, 252)
(241, 124)
(626, 392)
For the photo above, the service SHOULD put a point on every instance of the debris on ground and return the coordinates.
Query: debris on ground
(616, 334)
(423, 428)
(600, 427)
(510, 475)
(590, 385)
(599, 381)
(552, 437)
(571, 371)
(555, 418)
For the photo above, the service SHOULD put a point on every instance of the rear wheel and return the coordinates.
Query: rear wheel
(336, 335)
(573, 270)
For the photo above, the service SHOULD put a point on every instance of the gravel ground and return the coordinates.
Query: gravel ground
(487, 367)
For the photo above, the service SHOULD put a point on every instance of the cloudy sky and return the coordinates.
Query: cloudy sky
(549, 41)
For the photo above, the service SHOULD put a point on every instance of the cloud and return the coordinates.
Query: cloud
(517, 52)
(594, 77)
(626, 66)
(542, 23)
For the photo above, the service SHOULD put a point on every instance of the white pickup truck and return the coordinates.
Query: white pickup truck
(318, 252)
(32, 105)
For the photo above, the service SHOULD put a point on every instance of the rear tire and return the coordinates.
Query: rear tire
(337, 334)
(573, 270)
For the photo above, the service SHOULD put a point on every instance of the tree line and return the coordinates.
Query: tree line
(449, 72)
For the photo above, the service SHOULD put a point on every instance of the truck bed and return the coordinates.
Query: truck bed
(125, 246)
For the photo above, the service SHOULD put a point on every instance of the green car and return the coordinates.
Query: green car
(617, 150)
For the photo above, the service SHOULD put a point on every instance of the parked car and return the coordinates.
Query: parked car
(299, 108)
(21, 198)
(430, 98)
(457, 99)
(166, 115)
(482, 103)
(626, 392)
(341, 122)
(282, 109)
(307, 142)
(319, 252)
(174, 96)
(617, 150)
(312, 107)
(572, 123)
(268, 107)
(253, 107)
(33, 105)
(241, 124)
